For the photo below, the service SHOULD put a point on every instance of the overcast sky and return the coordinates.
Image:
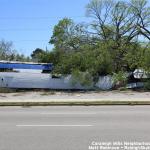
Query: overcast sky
(29, 23)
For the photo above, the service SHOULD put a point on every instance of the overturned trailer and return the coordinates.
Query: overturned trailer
(26, 80)
(22, 75)
(25, 75)
(13, 65)
(37, 76)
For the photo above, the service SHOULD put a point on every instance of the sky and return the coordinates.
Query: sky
(29, 23)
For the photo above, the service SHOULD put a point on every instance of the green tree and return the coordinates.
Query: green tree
(36, 54)
(120, 23)
(68, 36)
(109, 44)
(95, 60)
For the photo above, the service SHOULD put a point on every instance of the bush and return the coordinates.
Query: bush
(120, 79)
(84, 78)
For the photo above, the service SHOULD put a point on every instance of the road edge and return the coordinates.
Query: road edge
(75, 103)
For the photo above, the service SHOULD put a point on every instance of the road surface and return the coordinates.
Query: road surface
(71, 128)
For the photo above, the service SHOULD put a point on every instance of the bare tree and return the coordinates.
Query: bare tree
(100, 10)
(141, 10)
(124, 22)
(120, 22)
(120, 19)
(6, 50)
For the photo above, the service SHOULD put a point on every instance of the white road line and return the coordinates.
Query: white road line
(34, 125)
(67, 113)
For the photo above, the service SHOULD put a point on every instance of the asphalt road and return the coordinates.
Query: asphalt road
(71, 128)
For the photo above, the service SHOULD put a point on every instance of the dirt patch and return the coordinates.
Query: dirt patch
(90, 95)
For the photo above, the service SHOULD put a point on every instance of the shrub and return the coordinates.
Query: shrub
(119, 79)
(84, 78)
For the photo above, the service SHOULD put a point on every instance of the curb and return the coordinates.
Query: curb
(75, 103)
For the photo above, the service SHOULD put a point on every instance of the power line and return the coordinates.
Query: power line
(31, 41)
(29, 29)
(38, 18)
(33, 18)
